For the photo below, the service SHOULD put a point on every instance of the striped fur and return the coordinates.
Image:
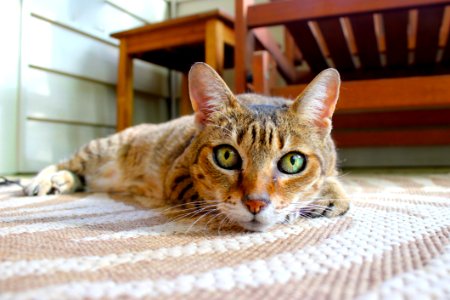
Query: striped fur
(173, 163)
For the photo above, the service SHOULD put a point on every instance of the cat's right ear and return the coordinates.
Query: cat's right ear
(208, 92)
(318, 101)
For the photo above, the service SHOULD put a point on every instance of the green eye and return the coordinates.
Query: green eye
(227, 157)
(292, 163)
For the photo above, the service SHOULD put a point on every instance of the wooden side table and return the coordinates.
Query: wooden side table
(175, 44)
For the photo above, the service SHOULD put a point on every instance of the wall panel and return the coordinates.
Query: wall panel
(54, 96)
(69, 73)
(53, 47)
(147, 10)
(47, 142)
(9, 83)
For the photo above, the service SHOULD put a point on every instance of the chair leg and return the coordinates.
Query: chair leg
(124, 89)
(243, 48)
(215, 45)
(264, 72)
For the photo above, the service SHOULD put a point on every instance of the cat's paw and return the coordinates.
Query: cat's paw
(51, 181)
(327, 208)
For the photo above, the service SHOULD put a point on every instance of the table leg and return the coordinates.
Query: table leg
(124, 89)
(214, 45)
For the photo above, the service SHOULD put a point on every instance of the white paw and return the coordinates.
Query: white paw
(50, 181)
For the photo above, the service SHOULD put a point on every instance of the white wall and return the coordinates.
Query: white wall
(188, 7)
(9, 82)
(68, 73)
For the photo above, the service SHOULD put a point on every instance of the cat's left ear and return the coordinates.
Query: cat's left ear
(208, 92)
(318, 101)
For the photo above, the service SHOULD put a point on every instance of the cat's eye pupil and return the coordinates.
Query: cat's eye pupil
(293, 160)
(292, 163)
(226, 157)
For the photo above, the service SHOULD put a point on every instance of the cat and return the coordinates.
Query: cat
(255, 160)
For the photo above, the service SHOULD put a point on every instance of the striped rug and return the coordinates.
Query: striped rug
(393, 244)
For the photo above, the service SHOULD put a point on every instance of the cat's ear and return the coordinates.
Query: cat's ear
(318, 101)
(208, 92)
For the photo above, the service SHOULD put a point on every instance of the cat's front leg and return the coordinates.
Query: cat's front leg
(332, 202)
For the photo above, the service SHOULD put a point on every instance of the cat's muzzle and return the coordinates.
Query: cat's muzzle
(257, 215)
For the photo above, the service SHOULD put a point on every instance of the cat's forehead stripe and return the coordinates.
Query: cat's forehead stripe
(240, 135)
(270, 136)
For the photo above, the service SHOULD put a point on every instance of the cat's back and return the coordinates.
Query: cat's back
(176, 129)
(163, 140)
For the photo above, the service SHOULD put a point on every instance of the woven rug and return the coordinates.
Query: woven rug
(393, 244)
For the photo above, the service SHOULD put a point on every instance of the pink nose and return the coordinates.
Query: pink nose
(255, 206)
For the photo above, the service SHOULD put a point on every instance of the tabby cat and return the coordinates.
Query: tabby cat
(257, 160)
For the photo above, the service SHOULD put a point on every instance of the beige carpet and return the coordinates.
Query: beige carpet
(393, 244)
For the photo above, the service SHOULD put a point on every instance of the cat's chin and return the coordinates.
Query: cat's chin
(255, 226)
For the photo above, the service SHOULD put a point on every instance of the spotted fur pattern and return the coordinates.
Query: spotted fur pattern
(173, 163)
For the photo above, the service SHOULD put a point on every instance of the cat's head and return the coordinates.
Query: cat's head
(261, 158)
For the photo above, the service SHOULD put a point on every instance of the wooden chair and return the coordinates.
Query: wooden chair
(393, 56)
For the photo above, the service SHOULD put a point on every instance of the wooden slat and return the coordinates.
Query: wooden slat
(446, 54)
(366, 41)
(392, 138)
(429, 25)
(349, 36)
(315, 30)
(334, 37)
(443, 34)
(291, 51)
(281, 12)
(379, 33)
(412, 29)
(395, 28)
(308, 45)
(394, 119)
(285, 67)
(444, 38)
(386, 94)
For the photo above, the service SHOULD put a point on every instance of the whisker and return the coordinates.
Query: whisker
(198, 219)
(182, 204)
(221, 224)
(185, 216)
(191, 208)
(206, 209)
(214, 218)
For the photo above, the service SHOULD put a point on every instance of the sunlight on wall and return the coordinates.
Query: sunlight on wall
(9, 62)
(69, 71)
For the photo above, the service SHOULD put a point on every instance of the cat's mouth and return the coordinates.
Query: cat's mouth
(255, 225)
